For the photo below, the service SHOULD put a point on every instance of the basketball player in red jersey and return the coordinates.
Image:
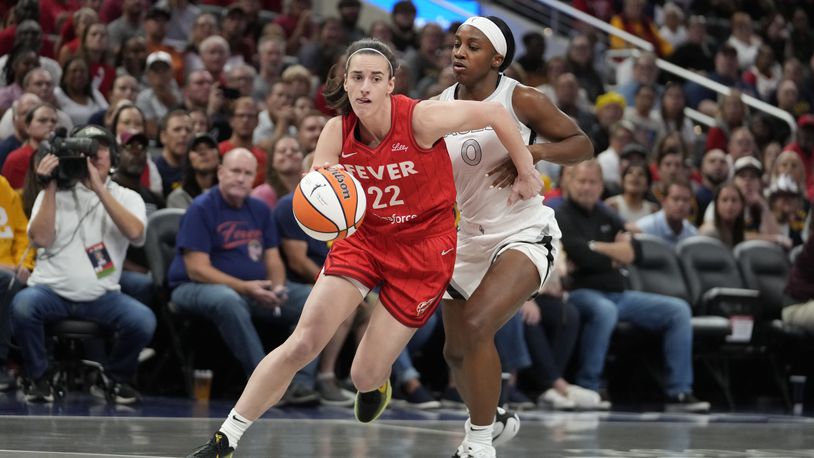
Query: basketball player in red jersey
(505, 252)
(394, 146)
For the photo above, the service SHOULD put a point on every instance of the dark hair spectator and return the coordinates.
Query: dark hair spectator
(728, 222)
(200, 171)
(93, 48)
(21, 61)
(76, 95)
(631, 204)
(283, 170)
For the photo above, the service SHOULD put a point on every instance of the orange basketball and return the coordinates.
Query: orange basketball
(329, 204)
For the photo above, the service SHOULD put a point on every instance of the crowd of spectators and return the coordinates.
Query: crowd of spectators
(215, 106)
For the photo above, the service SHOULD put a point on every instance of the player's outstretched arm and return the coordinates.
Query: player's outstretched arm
(568, 143)
(432, 120)
(329, 144)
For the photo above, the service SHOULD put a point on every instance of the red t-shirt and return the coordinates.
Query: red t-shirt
(410, 190)
(16, 165)
(106, 75)
(226, 146)
(717, 139)
(51, 9)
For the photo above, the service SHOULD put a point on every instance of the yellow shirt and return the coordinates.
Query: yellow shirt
(13, 228)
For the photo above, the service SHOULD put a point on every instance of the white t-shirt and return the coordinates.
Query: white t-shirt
(80, 113)
(65, 267)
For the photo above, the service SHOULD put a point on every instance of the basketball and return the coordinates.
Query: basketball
(329, 204)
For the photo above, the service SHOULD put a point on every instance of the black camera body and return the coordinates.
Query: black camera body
(72, 154)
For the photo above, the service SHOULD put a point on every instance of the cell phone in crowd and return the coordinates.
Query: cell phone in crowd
(230, 93)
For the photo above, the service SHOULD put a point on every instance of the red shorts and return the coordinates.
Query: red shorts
(413, 274)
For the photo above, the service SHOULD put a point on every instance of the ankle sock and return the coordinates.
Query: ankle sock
(234, 427)
(481, 435)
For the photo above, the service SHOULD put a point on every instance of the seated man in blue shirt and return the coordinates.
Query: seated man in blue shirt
(228, 268)
(597, 246)
(670, 223)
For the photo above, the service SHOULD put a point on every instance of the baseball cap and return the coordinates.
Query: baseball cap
(234, 9)
(202, 138)
(748, 162)
(806, 120)
(610, 97)
(128, 138)
(157, 12)
(634, 149)
(98, 133)
(159, 56)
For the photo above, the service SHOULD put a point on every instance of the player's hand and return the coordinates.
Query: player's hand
(530, 312)
(327, 166)
(503, 175)
(527, 185)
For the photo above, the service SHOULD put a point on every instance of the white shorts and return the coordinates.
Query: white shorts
(477, 251)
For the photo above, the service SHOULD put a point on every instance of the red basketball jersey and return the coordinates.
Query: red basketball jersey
(410, 190)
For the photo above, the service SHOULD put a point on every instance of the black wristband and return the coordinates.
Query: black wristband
(44, 180)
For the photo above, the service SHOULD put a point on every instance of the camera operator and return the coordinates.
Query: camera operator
(81, 229)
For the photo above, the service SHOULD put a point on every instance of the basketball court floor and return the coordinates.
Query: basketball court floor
(80, 426)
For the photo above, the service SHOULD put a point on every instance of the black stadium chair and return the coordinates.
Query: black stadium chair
(159, 246)
(766, 267)
(659, 272)
(714, 280)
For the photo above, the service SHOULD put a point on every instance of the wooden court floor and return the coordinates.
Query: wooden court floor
(332, 433)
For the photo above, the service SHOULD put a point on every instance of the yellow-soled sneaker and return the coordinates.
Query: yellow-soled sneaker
(369, 406)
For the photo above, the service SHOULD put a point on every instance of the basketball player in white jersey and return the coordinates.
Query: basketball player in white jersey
(505, 252)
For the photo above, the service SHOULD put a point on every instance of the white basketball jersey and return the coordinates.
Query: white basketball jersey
(475, 153)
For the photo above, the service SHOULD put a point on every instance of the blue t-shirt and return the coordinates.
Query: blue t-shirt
(289, 229)
(171, 177)
(235, 238)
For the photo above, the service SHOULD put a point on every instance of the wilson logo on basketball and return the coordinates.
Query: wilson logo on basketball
(343, 186)
(399, 147)
(329, 204)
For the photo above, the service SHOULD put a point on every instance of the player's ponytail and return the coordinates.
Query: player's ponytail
(334, 91)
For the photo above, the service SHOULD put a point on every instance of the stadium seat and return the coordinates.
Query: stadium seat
(714, 280)
(658, 271)
(159, 246)
(766, 267)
